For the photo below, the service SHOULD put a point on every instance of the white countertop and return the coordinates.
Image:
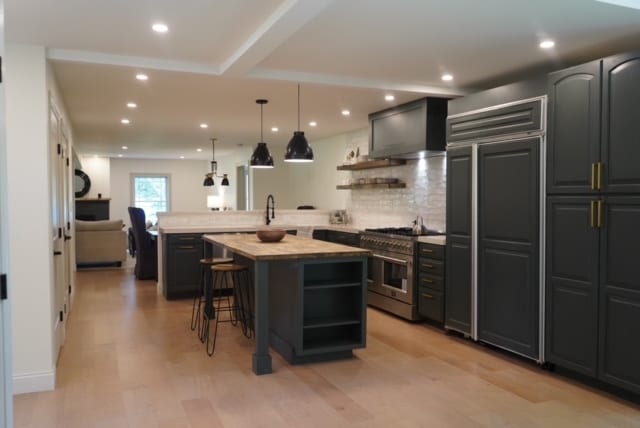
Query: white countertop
(229, 229)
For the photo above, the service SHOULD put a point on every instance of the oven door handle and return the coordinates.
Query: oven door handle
(390, 259)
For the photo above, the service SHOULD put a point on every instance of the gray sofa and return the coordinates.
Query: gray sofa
(100, 242)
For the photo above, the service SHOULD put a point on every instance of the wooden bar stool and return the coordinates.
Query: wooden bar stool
(199, 300)
(227, 275)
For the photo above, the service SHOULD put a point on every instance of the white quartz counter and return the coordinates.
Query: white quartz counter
(436, 240)
(240, 228)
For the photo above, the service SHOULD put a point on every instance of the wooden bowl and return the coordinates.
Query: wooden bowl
(270, 235)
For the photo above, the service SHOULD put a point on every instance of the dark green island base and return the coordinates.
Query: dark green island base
(310, 297)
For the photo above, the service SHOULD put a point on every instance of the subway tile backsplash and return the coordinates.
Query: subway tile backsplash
(424, 194)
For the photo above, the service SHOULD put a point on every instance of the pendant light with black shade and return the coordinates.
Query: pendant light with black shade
(298, 149)
(208, 178)
(261, 157)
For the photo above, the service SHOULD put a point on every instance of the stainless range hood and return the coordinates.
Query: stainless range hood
(409, 131)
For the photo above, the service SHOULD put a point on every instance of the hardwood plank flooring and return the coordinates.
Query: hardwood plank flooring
(130, 360)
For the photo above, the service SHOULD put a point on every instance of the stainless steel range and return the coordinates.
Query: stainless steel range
(391, 278)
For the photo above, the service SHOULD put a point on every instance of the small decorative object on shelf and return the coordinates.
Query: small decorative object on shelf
(396, 185)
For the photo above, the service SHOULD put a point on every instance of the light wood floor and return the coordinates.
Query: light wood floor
(130, 360)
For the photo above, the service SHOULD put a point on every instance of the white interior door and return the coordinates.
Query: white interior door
(6, 394)
(66, 220)
(56, 170)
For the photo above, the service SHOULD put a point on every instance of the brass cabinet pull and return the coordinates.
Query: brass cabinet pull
(427, 266)
(186, 239)
(593, 176)
(599, 203)
(426, 250)
(428, 296)
(599, 167)
(427, 280)
(594, 215)
(186, 247)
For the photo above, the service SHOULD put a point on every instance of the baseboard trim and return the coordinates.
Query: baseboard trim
(34, 382)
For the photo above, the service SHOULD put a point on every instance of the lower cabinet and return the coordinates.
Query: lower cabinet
(337, 237)
(431, 281)
(322, 314)
(593, 287)
(182, 254)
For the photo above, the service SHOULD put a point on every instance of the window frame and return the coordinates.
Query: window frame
(132, 180)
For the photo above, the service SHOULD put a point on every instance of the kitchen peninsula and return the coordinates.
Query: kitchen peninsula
(310, 296)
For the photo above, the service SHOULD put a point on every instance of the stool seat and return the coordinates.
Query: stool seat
(228, 267)
(215, 260)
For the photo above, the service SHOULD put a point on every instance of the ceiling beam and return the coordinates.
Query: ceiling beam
(132, 61)
(353, 82)
(283, 23)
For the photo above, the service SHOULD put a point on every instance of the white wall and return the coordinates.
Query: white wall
(98, 170)
(294, 184)
(30, 231)
(186, 194)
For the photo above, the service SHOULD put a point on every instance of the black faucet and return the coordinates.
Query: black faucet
(273, 208)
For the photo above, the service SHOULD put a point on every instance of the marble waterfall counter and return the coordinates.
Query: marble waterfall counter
(310, 296)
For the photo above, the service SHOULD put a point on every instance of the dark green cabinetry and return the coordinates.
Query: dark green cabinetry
(338, 237)
(593, 287)
(458, 249)
(593, 233)
(594, 127)
(182, 265)
(321, 315)
(431, 268)
(508, 251)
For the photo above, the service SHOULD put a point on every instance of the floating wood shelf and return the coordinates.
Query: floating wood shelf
(371, 186)
(375, 163)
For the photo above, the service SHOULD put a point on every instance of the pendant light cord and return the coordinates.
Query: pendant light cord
(261, 125)
(298, 107)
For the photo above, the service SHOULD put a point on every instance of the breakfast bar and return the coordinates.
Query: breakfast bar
(310, 296)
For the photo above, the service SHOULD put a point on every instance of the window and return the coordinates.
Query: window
(151, 193)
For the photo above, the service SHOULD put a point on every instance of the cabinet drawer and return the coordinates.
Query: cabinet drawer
(431, 266)
(430, 281)
(431, 304)
(184, 238)
(431, 251)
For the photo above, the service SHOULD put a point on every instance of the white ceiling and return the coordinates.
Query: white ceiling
(220, 56)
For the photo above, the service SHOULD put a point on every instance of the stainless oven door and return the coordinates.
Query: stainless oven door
(392, 276)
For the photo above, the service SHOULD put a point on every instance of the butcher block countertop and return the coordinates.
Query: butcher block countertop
(290, 248)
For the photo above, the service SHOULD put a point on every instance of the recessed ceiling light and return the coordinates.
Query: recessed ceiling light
(124, 147)
(389, 97)
(181, 157)
(132, 105)
(125, 121)
(120, 155)
(274, 129)
(633, 4)
(447, 77)
(313, 123)
(346, 112)
(159, 27)
(198, 149)
(142, 76)
(204, 126)
(547, 44)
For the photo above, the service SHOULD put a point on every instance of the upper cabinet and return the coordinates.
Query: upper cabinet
(409, 131)
(594, 131)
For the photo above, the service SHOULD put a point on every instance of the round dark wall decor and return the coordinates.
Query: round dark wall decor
(81, 183)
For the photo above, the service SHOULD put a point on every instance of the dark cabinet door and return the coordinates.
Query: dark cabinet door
(572, 283)
(508, 245)
(620, 293)
(621, 123)
(573, 132)
(458, 252)
(183, 269)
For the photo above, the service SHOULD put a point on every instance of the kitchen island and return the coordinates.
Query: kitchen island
(310, 296)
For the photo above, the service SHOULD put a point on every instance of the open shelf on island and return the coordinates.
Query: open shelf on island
(321, 284)
(374, 163)
(330, 321)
